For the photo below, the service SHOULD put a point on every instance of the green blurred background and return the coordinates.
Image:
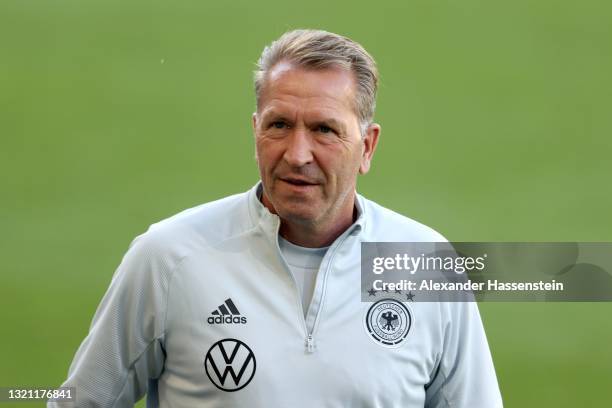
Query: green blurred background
(496, 117)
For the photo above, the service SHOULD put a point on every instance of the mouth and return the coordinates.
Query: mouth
(298, 182)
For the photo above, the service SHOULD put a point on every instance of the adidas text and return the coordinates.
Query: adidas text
(227, 320)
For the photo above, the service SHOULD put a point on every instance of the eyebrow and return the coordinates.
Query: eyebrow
(271, 116)
(331, 122)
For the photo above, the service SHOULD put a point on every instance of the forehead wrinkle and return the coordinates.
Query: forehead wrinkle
(310, 95)
(278, 108)
(286, 78)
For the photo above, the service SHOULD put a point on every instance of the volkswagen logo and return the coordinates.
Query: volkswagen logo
(230, 364)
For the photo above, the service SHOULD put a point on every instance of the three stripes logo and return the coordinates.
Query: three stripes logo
(230, 364)
(226, 313)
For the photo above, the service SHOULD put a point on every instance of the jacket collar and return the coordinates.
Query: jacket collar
(270, 223)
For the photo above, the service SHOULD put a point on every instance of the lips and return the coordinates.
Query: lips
(298, 181)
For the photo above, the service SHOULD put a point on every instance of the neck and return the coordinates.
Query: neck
(313, 236)
(316, 233)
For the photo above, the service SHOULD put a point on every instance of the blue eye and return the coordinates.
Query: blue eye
(325, 129)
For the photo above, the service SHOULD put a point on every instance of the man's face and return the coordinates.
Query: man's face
(309, 146)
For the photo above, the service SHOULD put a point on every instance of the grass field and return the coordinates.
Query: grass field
(496, 122)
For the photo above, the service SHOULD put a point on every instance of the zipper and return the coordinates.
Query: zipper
(310, 343)
(310, 340)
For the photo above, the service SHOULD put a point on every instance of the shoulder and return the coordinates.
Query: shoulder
(169, 240)
(383, 224)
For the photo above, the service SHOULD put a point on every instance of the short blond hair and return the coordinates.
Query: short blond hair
(318, 49)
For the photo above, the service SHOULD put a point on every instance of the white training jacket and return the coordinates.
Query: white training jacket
(203, 312)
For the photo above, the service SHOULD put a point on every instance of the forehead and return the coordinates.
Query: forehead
(328, 89)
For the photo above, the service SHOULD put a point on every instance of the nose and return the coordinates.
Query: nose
(298, 151)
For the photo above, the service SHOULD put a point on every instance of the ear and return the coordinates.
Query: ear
(370, 140)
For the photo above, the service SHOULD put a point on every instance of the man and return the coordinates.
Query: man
(254, 300)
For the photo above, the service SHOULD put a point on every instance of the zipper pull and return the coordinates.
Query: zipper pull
(310, 346)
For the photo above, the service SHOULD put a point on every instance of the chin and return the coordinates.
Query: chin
(299, 214)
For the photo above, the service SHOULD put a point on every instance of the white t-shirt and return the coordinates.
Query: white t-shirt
(304, 264)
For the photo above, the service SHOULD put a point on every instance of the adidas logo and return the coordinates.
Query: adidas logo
(227, 313)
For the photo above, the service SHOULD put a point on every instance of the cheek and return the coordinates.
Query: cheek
(267, 153)
(341, 168)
